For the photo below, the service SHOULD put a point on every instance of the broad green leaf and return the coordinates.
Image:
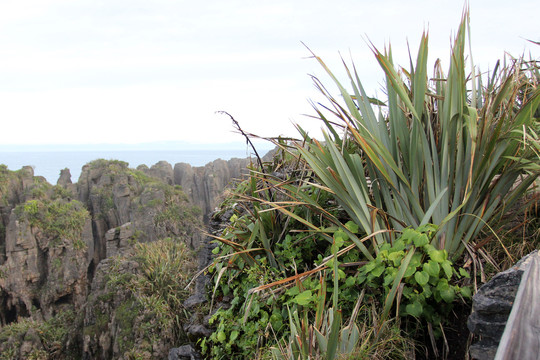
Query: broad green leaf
(304, 298)
(466, 292)
(221, 337)
(408, 235)
(432, 268)
(352, 226)
(442, 285)
(293, 291)
(340, 237)
(399, 245)
(427, 292)
(447, 267)
(377, 271)
(396, 257)
(438, 255)
(420, 240)
(234, 335)
(411, 269)
(416, 259)
(448, 294)
(421, 278)
(415, 309)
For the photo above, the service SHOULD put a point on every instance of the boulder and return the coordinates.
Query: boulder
(492, 305)
(184, 352)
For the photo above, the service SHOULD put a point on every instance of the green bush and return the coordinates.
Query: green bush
(427, 291)
(447, 151)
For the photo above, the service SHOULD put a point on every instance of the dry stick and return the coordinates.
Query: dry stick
(248, 141)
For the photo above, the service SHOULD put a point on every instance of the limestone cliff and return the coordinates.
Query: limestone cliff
(81, 263)
(116, 195)
(52, 239)
(134, 308)
(205, 184)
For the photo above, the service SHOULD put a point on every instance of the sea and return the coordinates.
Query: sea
(49, 163)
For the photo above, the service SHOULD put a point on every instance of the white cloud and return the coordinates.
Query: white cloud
(132, 71)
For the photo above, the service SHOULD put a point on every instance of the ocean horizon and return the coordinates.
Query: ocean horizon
(49, 163)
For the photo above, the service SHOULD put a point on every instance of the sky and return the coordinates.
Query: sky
(132, 71)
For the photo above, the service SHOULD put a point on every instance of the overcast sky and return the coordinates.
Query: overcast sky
(130, 71)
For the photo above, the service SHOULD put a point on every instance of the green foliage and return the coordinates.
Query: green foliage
(157, 291)
(60, 192)
(58, 219)
(40, 188)
(52, 333)
(265, 241)
(427, 291)
(114, 165)
(446, 151)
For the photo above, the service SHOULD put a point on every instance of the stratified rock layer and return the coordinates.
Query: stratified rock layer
(205, 184)
(54, 238)
(63, 246)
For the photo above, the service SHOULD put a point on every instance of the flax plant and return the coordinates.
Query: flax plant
(446, 150)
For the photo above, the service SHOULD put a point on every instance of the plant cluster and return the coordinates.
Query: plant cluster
(59, 219)
(52, 335)
(428, 291)
(147, 304)
(435, 162)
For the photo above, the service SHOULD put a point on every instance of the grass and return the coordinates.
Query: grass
(148, 304)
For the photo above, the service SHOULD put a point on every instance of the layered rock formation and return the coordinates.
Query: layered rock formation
(52, 239)
(68, 262)
(204, 185)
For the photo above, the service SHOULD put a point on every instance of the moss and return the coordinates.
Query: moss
(153, 203)
(59, 219)
(40, 189)
(52, 333)
(105, 195)
(2, 230)
(177, 209)
(57, 264)
(100, 326)
(59, 192)
(113, 165)
(140, 177)
(107, 297)
(125, 316)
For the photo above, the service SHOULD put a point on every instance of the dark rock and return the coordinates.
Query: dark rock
(479, 351)
(184, 352)
(195, 300)
(492, 305)
(161, 170)
(198, 330)
(43, 271)
(119, 239)
(115, 196)
(31, 343)
(65, 178)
